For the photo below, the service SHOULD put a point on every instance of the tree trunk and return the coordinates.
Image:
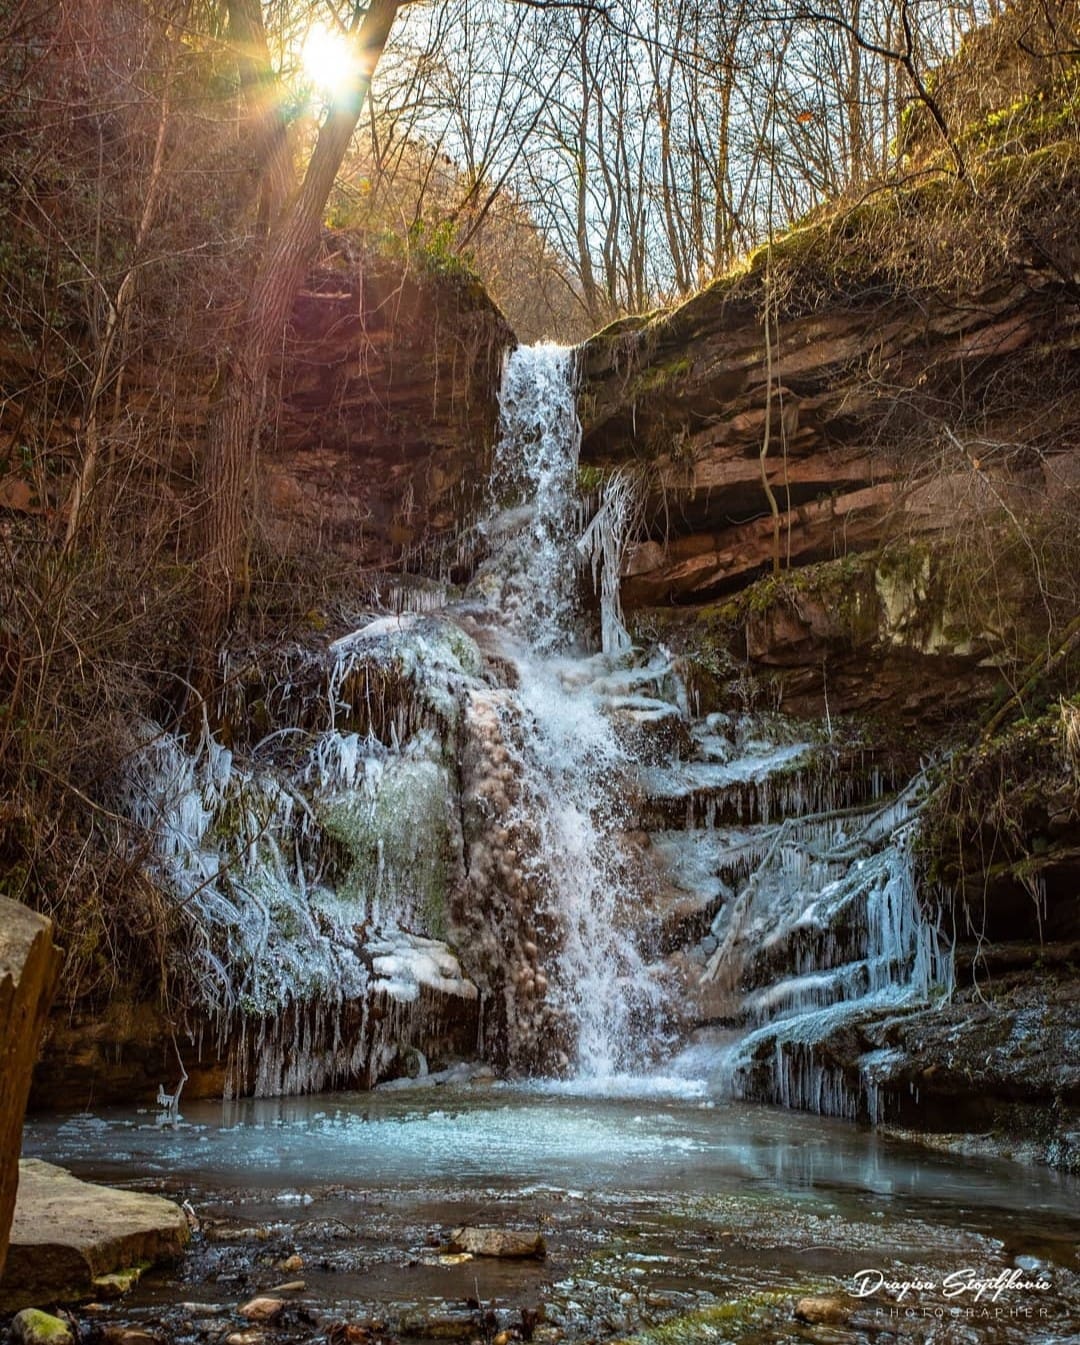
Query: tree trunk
(230, 463)
(262, 95)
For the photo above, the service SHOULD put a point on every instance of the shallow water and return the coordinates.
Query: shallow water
(653, 1208)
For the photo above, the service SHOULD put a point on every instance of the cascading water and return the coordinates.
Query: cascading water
(531, 576)
(570, 768)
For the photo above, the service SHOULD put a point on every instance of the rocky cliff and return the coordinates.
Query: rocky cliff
(857, 480)
(385, 409)
(384, 414)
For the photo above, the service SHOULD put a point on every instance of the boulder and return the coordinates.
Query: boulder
(508, 1243)
(29, 966)
(31, 1327)
(67, 1233)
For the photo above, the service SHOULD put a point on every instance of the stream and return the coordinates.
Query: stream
(668, 1207)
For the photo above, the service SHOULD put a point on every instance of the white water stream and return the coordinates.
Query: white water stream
(573, 768)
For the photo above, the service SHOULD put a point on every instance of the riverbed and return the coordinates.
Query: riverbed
(667, 1216)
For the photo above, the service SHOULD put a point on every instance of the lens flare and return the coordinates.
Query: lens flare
(329, 61)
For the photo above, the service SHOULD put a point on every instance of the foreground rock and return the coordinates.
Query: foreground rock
(66, 1233)
(29, 965)
(31, 1327)
(507, 1243)
(263, 1309)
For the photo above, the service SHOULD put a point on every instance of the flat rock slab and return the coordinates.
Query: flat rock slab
(68, 1232)
(507, 1243)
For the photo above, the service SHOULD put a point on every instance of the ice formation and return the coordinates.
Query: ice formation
(478, 778)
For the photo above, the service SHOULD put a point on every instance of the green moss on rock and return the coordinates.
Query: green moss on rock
(33, 1327)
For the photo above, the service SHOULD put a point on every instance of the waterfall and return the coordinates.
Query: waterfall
(480, 779)
(572, 775)
(532, 576)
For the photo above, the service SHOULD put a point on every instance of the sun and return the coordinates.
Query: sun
(329, 61)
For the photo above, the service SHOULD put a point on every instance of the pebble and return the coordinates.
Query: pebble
(824, 1311)
(291, 1263)
(252, 1336)
(262, 1309)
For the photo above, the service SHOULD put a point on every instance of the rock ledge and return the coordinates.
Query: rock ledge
(67, 1232)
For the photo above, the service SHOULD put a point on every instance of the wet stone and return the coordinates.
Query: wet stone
(31, 1327)
(438, 1325)
(119, 1283)
(263, 1309)
(824, 1311)
(129, 1335)
(506, 1243)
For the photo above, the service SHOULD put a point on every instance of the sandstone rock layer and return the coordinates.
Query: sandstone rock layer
(67, 1233)
(29, 966)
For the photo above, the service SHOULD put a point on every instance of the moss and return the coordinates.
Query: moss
(843, 587)
(718, 1322)
(119, 1282)
(397, 841)
(659, 376)
(589, 478)
(1031, 121)
(41, 1328)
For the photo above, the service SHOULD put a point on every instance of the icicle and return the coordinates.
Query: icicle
(603, 545)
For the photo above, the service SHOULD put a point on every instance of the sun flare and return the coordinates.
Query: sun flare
(329, 61)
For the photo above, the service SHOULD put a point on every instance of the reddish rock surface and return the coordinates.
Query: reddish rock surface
(856, 392)
(29, 967)
(385, 409)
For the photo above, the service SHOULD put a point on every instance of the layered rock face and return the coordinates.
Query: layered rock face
(29, 967)
(385, 404)
(849, 391)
